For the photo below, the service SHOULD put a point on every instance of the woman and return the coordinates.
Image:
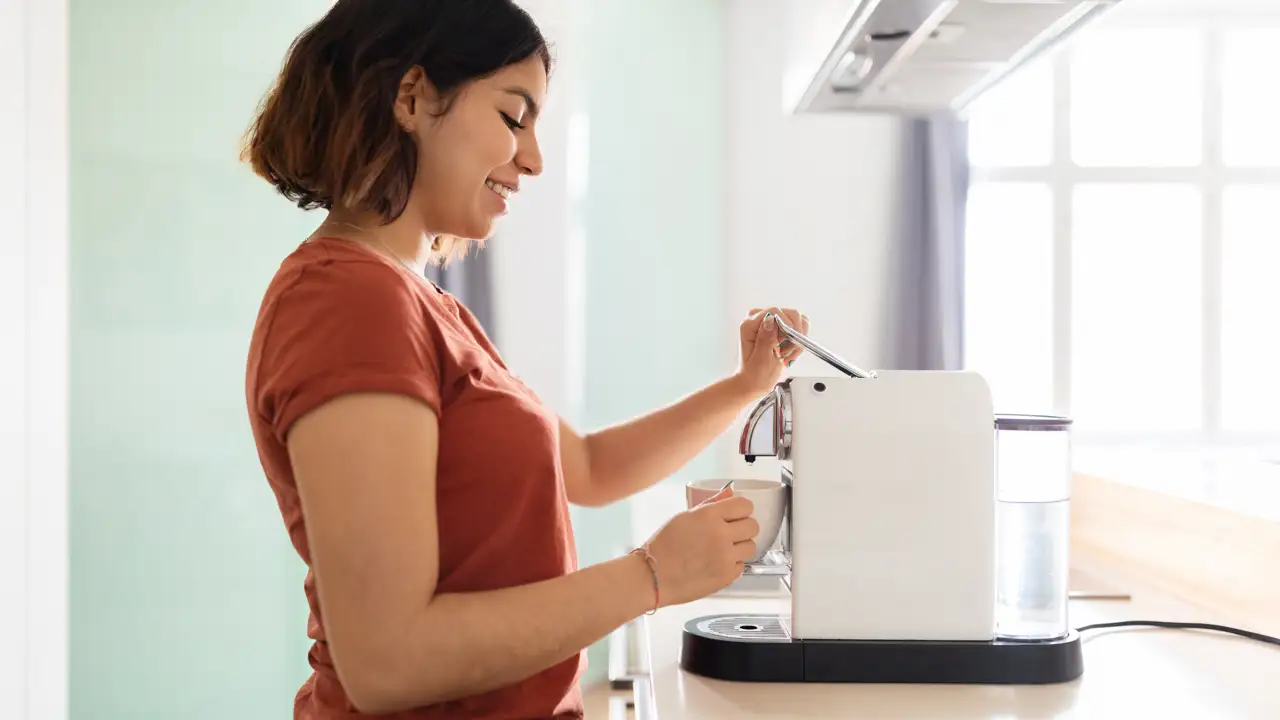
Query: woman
(425, 487)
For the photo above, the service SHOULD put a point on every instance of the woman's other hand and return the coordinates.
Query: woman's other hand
(702, 550)
(765, 352)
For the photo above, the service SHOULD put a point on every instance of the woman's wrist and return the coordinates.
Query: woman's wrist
(637, 582)
(651, 564)
(745, 389)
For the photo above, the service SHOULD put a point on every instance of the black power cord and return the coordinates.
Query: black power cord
(1182, 626)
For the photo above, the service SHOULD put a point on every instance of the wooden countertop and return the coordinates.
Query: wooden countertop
(1129, 672)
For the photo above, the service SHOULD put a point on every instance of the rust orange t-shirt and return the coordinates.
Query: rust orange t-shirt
(339, 317)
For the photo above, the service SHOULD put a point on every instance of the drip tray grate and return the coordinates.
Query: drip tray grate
(759, 628)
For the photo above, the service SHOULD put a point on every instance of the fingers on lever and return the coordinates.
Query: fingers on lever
(792, 317)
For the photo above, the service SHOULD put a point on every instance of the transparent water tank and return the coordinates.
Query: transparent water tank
(1033, 494)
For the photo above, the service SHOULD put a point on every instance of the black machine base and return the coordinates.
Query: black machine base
(755, 648)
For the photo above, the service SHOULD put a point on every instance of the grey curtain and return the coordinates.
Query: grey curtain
(929, 323)
(470, 279)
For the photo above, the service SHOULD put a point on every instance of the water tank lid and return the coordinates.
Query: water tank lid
(1032, 422)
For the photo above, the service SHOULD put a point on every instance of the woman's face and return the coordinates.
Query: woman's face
(471, 161)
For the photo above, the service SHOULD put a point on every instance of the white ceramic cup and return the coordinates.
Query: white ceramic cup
(769, 498)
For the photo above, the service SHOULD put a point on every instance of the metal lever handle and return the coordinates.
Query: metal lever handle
(831, 358)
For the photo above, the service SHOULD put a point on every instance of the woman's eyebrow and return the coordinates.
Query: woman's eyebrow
(526, 96)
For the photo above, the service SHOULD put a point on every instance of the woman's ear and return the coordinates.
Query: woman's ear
(416, 98)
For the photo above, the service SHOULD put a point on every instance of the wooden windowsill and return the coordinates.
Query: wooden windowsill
(1238, 479)
(1219, 555)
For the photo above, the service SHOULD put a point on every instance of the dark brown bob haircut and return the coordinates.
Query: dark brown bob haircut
(326, 134)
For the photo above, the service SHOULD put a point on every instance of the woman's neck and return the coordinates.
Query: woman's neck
(404, 239)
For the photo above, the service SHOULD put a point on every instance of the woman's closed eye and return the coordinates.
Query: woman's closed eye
(510, 121)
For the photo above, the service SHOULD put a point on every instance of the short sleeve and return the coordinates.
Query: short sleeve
(345, 327)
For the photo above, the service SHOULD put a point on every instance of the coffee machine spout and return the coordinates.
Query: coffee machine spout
(760, 435)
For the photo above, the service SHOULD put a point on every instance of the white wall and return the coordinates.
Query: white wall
(13, 371)
(33, 346)
(812, 206)
(537, 252)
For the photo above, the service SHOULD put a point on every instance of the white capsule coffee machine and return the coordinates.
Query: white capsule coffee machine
(925, 540)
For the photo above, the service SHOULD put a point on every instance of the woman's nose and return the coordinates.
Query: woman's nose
(529, 157)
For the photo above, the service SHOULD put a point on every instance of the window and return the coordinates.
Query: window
(1123, 241)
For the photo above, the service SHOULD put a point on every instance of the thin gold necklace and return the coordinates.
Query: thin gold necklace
(378, 240)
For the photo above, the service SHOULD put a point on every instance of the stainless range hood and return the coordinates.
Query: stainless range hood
(918, 56)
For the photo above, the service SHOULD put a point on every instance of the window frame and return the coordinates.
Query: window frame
(1062, 175)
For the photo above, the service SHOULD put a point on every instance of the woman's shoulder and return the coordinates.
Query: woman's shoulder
(335, 322)
(333, 275)
(332, 303)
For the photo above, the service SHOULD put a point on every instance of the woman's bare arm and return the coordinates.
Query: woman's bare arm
(617, 462)
(620, 461)
(365, 466)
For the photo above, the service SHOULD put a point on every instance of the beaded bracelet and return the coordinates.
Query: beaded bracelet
(643, 551)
